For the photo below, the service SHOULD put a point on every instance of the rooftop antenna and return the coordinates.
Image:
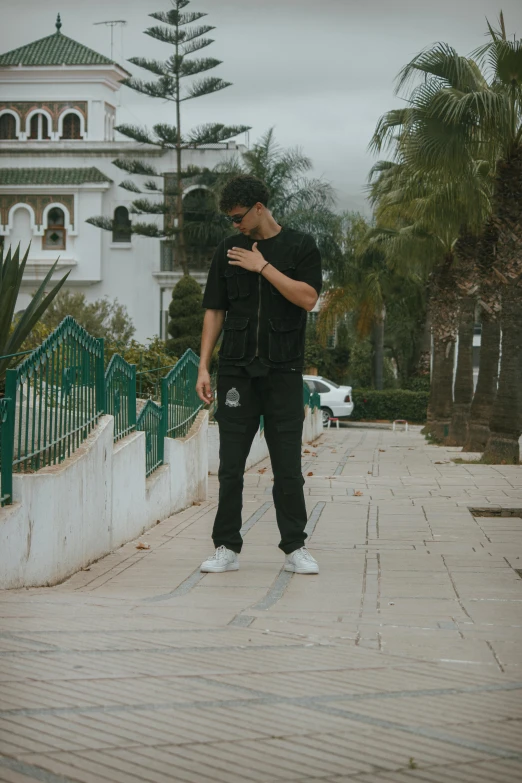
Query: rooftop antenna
(112, 24)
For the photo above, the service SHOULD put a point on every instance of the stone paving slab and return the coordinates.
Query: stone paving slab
(399, 662)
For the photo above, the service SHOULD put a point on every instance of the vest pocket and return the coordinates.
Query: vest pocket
(284, 339)
(238, 283)
(235, 336)
(287, 268)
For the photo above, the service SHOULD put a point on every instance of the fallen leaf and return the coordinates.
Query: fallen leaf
(142, 545)
(357, 493)
(262, 470)
(314, 454)
(382, 449)
(352, 456)
(86, 569)
(196, 503)
(310, 474)
(306, 451)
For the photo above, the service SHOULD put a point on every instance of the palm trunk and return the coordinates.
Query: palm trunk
(486, 391)
(505, 425)
(443, 310)
(441, 394)
(423, 349)
(463, 391)
(378, 353)
(506, 419)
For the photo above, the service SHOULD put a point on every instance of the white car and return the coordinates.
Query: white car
(336, 401)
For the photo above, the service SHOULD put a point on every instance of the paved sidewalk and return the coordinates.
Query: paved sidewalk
(400, 662)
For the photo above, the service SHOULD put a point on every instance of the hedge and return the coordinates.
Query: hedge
(390, 404)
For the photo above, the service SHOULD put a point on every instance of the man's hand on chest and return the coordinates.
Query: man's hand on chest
(252, 260)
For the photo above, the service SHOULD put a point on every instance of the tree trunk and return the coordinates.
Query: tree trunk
(506, 419)
(463, 391)
(423, 349)
(486, 391)
(443, 310)
(441, 394)
(180, 234)
(378, 353)
(505, 424)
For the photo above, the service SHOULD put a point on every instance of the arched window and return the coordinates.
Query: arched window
(54, 235)
(71, 127)
(7, 127)
(39, 127)
(121, 229)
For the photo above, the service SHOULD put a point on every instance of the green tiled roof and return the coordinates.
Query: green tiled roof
(51, 176)
(55, 49)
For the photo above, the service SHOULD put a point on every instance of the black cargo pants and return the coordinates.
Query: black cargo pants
(278, 397)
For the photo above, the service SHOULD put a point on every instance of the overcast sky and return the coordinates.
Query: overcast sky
(321, 71)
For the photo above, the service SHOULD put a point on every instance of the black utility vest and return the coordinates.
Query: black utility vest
(261, 321)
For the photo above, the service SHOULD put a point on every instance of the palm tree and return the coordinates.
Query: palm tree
(470, 115)
(486, 390)
(296, 200)
(362, 283)
(490, 307)
(420, 216)
(466, 249)
(356, 282)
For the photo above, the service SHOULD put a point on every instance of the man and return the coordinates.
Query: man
(264, 281)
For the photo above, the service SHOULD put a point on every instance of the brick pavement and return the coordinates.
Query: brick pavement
(399, 662)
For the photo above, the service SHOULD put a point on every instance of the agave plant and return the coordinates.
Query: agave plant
(11, 274)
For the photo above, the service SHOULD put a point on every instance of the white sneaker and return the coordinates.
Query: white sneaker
(301, 562)
(224, 560)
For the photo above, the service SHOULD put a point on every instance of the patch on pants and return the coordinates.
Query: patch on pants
(232, 398)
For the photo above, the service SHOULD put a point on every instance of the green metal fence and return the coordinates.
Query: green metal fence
(120, 395)
(54, 399)
(151, 422)
(6, 450)
(179, 400)
(58, 394)
(315, 400)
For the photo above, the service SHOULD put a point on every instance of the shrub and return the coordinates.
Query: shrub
(148, 358)
(418, 383)
(186, 316)
(390, 404)
(103, 318)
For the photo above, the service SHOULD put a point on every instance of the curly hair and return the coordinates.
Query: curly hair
(243, 191)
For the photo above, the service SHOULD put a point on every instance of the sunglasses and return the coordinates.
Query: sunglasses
(236, 219)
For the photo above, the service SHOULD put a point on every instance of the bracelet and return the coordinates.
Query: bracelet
(261, 270)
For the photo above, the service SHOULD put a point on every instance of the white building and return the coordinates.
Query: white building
(57, 144)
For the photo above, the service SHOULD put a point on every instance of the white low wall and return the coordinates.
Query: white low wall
(65, 516)
(312, 428)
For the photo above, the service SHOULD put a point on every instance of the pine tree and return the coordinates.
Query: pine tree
(186, 317)
(179, 31)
